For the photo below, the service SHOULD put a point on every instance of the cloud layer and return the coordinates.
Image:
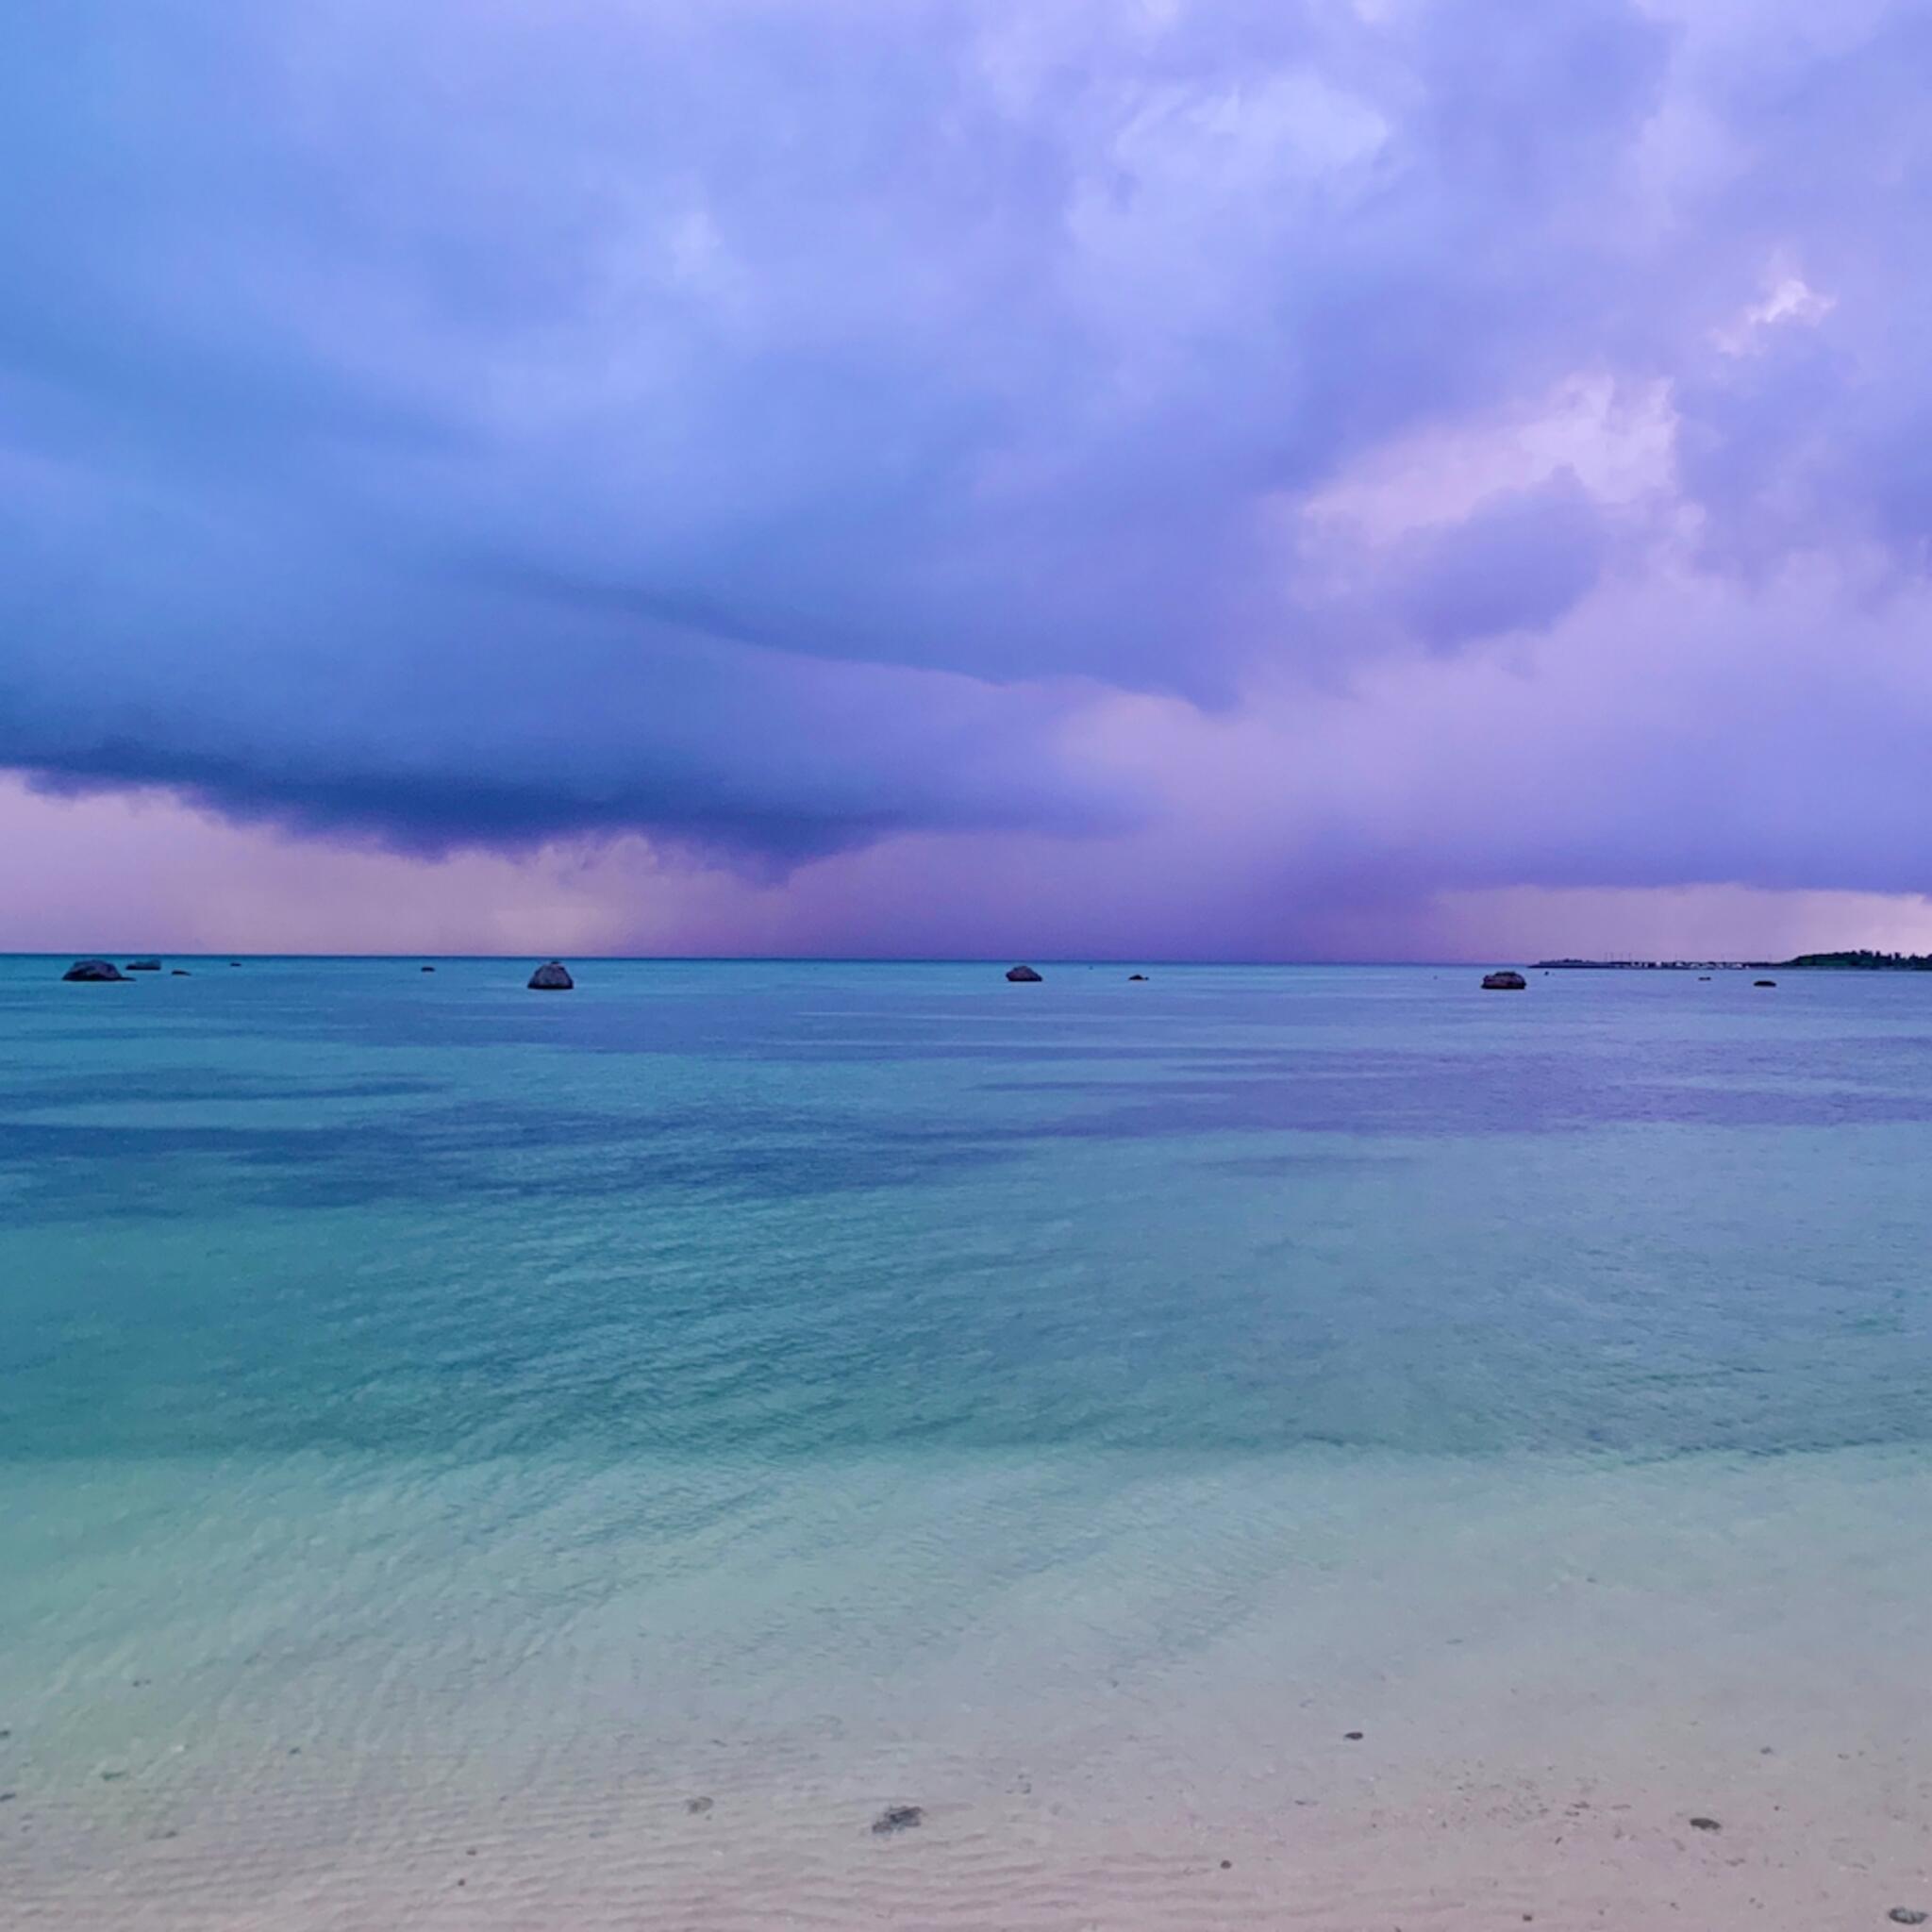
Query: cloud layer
(1295, 459)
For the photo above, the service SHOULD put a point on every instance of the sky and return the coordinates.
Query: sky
(1168, 478)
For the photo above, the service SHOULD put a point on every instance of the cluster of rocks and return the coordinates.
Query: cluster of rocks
(105, 969)
(553, 976)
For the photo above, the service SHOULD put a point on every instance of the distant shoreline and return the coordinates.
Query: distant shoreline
(1805, 962)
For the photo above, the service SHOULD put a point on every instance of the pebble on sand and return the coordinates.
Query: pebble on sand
(553, 977)
(897, 1818)
(1905, 1915)
(1705, 1824)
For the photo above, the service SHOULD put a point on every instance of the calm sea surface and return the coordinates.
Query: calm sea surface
(477, 1458)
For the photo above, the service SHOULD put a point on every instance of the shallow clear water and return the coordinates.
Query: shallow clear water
(441, 1418)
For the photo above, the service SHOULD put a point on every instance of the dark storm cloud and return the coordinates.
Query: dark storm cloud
(774, 427)
(1517, 562)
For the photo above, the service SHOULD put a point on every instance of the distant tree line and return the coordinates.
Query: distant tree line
(1864, 962)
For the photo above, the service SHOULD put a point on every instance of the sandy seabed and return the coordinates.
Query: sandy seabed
(1120, 1697)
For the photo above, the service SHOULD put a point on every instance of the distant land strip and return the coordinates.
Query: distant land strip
(1859, 962)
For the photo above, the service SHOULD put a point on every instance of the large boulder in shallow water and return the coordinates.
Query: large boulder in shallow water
(1504, 982)
(1023, 975)
(551, 978)
(94, 969)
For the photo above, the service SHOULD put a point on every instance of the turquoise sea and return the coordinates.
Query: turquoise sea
(475, 1457)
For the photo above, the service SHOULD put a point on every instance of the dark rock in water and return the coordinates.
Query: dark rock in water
(698, 1806)
(1764, 982)
(1504, 982)
(1905, 1915)
(234, 962)
(1141, 976)
(897, 1818)
(1705, 1824)
(94, 969)
(1022, 976)
(428, 969)
(551, 978)
(143, 965)
(180, 972)
(1703, 978)
(1353, 1737)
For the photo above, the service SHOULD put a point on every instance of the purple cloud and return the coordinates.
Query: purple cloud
(779, 429)
(1518, 561)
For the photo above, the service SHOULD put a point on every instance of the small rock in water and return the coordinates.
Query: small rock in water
(1023, 975)
(555, 977)
(1504, 982)
(1141, 976)
(143, 965)
(1764, 982)
(93, 970)
(1227, 1864)
(1905, 1915)
(1353, 1737)
(8, 1797)
(180, 972)
(427, 968)
(698, 1806)
(897, 1818)
(1705, 1824)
